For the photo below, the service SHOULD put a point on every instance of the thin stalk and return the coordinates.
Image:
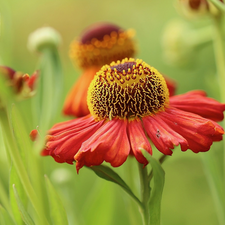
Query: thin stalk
(220, 60)
(220, 64)
(145, 193)
(17, 161)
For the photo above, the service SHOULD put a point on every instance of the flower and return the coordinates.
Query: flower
(195, 8)
(100, 44)
(129, 102)
(22, 84)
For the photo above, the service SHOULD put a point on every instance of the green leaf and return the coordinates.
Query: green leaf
(157, 190)
(26, 218)
(58, 213)
(14, 179)
(4, 198)
(5, 218)
(21, 135)
(6, 92)
(108, 174)
(50, 85)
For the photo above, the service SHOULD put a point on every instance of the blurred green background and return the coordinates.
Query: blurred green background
(187, 199)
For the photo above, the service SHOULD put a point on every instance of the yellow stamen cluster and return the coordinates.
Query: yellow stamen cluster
(127, 89)
(115, 46)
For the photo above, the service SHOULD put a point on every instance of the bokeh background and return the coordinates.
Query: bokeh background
(187, 199)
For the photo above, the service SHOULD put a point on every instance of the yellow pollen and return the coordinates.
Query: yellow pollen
(135, 90)
(114, 46)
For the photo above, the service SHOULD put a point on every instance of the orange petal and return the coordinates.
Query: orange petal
(198, 131)
(163, 137)
(63, 145)
(110, 143)
(76, 101)
(197, 102)
(138, 141)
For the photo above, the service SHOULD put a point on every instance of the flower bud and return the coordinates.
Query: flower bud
(44, 37)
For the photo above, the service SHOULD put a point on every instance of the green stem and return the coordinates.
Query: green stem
(220, 60)
(220, 64)
(145, 193)
(17, 161)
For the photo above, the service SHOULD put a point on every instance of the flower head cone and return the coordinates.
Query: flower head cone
(99, 44)
(129, 104)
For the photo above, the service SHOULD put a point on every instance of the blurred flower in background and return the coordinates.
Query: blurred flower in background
(192, 8)
(126, 100)
(99, 44)
(22, 84)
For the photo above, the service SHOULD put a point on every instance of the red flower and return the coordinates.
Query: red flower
(100, 44)
(22, 84)
(129, 103)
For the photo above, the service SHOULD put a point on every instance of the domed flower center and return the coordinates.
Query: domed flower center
(127, 89)
(101, 44)
(98, 31)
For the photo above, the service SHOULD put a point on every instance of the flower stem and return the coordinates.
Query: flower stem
(145, 192)
(220, 59)
(220, 64)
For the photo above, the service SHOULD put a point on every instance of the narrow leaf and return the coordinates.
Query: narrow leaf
(5, 218)
(57, 211)
(14, 179)
(25, 216)
(21, 134)
(157, 190)
(108, 174)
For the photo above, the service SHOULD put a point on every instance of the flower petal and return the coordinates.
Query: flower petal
(171, 85)
(138, 141)
(76, 101)
(66, 139)
(198, 131)
(110, 143)
(197, 102)
(163, 137)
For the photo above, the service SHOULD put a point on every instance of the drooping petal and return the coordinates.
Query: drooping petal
(199, 132)
(163, 137)
(76, 101)
(197, 102)
(173, 127)
(138, 140)
(66, 138)
(110, 143)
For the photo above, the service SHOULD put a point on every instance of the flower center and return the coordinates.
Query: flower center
(127, 89)
(101, 44)
(98, 31)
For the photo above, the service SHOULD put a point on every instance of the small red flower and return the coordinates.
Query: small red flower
(22, 84)
(129, 103)
(100, 44)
